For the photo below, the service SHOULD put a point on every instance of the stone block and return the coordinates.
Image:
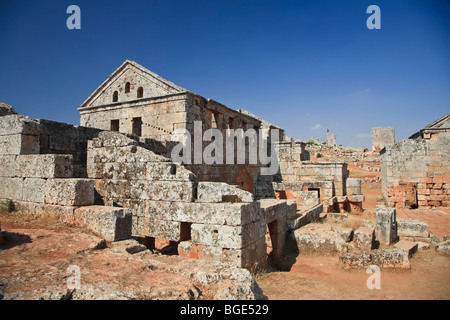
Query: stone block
(233, 237)
(34, 190)
(407, 227)
(70, 192)
(8, 165)
(318, 238)
(384, 259)
(45, 166)
(163, 229)
(222, 192)
(353, 186)
(363, 237)
(443, 246)
(162, 190)
(337, 217)
(6, 109)
(11, 188)
(19, 144)
(356, 198)
(408, 246)
(111, 223)
(16, 124)
(386, 225)
(168, 171)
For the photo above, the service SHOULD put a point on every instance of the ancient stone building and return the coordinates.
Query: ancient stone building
(116, 175)
(416, 171)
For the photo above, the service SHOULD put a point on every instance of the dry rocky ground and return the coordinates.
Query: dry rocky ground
(36, 253)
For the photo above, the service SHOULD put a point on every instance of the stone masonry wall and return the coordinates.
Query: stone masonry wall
(207, 220)
(417, 172)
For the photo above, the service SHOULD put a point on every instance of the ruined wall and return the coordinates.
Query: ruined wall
(417, 172)
(206, 220)
(40, 178)
(382, 137)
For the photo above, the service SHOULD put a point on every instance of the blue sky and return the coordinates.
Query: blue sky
(303, 65)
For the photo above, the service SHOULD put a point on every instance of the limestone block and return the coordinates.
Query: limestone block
(8, 165)
(34, 190)
(337, 217)
(113, 139)
(443, 246)
(11, 188)
(222, 192)
(162, 190)
(6, 109)
(168, 230)
(386, 225)
(353, 186)
(408, 246)
(70, 192)
(318, 238)
(363, 237)
(168, 171)
(304, 217)
(19, 144)
(15, 124)
(356, 198)
(113, 189)
(45, 166)
(412, 228)
(385, 258)
(232, 214)
(220, 236)
(112, 223)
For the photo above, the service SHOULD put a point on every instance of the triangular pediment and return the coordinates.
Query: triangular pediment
(137, 77)
(441, 123)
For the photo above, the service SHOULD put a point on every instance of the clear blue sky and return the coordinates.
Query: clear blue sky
(303, 65)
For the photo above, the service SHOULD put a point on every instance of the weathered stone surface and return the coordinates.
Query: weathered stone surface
(386, 225)
(384, 258)
(224, 236)
(6, 109)
(443, 246)
(335, 216)
(130, 246)
(305, 217)
(19, 144)
(407, 227)
(345, 233)
(222, 192)
(111, 223)
(8, 165)
(34, 190)
(353, 186)
(363, 237)
(318, 238)
(408, 246)
(15, 124)
(70, 192)
(44, 166)
(11, 188)
(356, 197)
(168, 230)
(162, 190)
